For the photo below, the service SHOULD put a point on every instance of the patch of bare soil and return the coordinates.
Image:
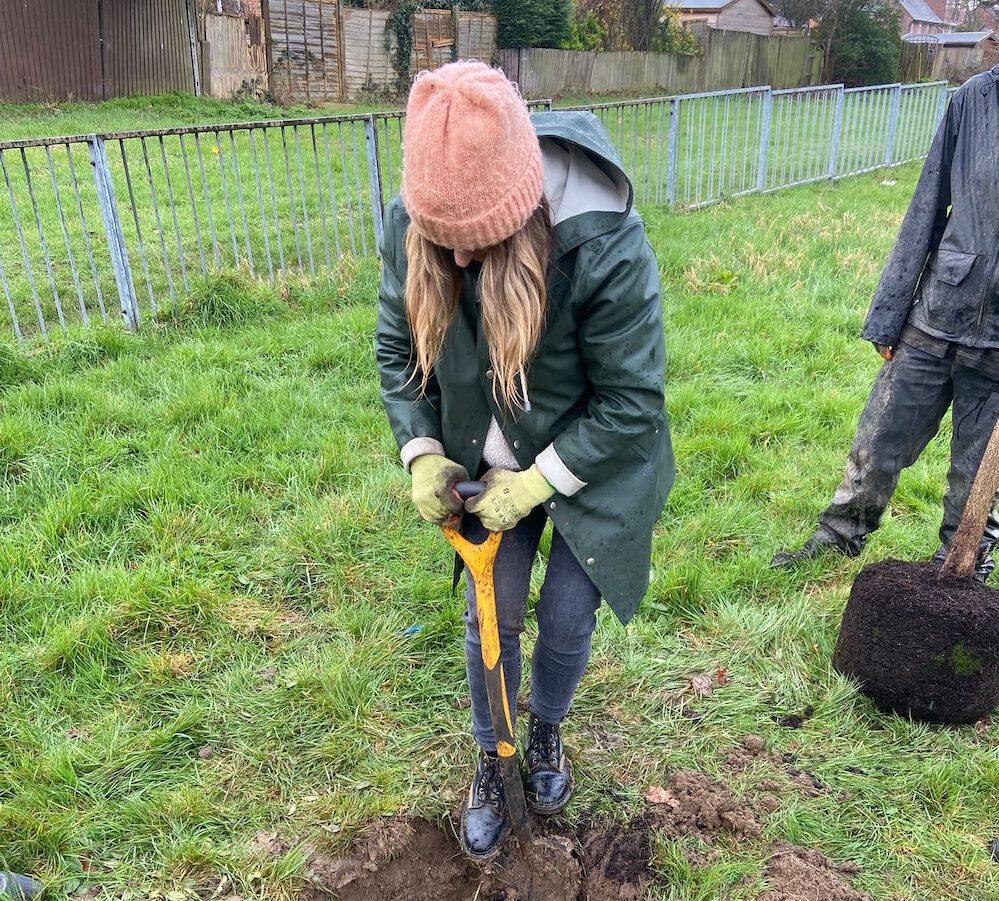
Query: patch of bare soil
(416, 860)
(800, 874)
(693, 804)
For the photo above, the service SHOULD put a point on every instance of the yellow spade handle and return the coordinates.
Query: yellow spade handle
(479, 558)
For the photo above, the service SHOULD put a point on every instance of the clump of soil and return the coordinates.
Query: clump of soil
(800, 874)
(751, 748)
(922, 646)
(696, 805)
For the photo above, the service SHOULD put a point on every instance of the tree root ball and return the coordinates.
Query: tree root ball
(921, 646)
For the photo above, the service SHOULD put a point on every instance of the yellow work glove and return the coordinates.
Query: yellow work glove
(509, 497)
(433, 477)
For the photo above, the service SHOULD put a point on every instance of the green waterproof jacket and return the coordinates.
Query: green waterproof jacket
(596, 425)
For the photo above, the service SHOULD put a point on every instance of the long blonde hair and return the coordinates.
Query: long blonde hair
(512, 296)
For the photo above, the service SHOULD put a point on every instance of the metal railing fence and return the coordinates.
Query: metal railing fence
(126, 220)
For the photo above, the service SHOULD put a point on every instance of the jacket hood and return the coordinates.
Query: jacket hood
(592, 193)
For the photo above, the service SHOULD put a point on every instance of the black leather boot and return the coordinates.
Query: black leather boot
(548, 782)
(816, 546)
(484, 821)
(18, 887)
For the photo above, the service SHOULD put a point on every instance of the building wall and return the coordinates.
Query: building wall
(699, 21)
(908, 26)
(54, 49)
(746, 15)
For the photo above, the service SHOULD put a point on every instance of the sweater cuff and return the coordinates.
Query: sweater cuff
(558, 475)
(417, 448)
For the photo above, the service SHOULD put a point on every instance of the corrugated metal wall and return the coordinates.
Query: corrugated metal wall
(49, 50)
(147, 45)
(52, 50)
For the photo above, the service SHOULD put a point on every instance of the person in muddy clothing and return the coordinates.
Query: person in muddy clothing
(520, 339)
(935, 321)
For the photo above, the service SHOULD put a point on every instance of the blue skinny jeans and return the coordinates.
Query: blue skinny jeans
(567, 616)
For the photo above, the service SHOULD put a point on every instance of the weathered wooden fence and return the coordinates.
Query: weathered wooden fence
(233, 57)
(96, 49)
(322, 50)
(730, 59)
(922, 61)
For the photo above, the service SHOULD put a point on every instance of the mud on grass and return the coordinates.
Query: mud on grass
(417, 860)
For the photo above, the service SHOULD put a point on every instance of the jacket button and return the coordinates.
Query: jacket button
(551, 506)
(475, 441)
(489, 373)
(590, 561)
(516, 445)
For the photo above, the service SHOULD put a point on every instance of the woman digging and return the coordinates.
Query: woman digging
(520, 340)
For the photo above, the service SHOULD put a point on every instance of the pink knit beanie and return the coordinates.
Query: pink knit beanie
(471, 170)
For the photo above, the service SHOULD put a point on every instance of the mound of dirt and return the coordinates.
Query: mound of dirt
(920, 645)
(694, 804)
(750, 750)
(799, 874)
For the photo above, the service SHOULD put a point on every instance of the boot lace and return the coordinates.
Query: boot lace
(489, 788)
(543, 748)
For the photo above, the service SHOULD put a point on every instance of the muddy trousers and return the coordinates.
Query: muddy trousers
(567, 616)
(903, 412)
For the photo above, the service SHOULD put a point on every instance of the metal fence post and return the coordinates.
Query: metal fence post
(942, 107)
(761, 172)
(671, 149)
(113, 231)
(837, 131)
(374, 180)
(896, 101)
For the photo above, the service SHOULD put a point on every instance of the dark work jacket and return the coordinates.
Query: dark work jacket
(596, 382)
(943, 273)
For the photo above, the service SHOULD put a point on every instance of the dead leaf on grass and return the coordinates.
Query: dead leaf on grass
(268, 843)
(702, 685)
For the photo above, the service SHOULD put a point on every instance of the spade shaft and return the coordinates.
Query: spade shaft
(479, 558)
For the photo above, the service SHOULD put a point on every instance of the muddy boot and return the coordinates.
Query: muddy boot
(19, 888)
(820, 543)
(484, 821)
(548, 783)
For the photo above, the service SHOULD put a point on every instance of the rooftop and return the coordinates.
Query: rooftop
(951, 39)
(921, 11)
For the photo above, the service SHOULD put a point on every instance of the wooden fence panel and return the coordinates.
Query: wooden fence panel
(232, 61)
(433, 39)
(476, 36)
(731, 59)
(303, 43)
(147, 45)
(367, 64)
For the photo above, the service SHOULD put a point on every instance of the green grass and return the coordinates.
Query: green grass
(206, 543)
